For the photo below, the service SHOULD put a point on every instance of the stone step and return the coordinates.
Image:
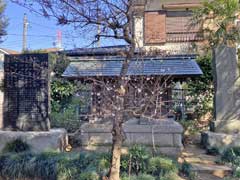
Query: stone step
(206, 176)
(216, 170)
(205, 165)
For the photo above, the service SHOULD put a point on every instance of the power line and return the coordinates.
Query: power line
(47, 27)
(31, 35)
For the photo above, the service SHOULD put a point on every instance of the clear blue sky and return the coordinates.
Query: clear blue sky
(41, 31)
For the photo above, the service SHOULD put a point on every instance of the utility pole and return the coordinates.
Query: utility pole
(25, 28)
(98, 26)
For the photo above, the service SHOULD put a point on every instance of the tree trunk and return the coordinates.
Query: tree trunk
(117, 134)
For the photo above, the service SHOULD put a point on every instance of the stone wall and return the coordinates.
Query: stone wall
(55, 139)
(164, 136)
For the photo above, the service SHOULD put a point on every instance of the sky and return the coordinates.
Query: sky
(42, 32)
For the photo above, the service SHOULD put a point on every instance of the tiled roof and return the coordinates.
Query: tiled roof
(8, 51)
(111, 66)
(99, 51)
(49, 50)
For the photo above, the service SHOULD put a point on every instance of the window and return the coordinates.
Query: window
(170, 26)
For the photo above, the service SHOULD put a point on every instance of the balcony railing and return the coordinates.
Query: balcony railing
(184, 36)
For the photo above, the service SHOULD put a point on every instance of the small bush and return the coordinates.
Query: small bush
(186, 168)
(159, 166)
(80, 166)
(16, 146)
(139, 177)
(136, 160)
(237, 172)
(170, 176)
(89, 176)
(103, 166)
(145, 177)
(44, 166)
(230, 154)
(213, 151)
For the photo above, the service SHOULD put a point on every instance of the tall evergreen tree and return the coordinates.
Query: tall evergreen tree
(218, 18)
(3, 20)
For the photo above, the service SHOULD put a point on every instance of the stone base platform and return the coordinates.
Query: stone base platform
(55, 139)
(220, 140)
(163, 136)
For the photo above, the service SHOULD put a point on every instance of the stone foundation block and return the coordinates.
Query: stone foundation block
(220, 140)
(165, 136)
(55, 139)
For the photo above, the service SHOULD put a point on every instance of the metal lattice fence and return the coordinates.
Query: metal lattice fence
(26, 89)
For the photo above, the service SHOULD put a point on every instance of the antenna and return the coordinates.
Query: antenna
(25, 28)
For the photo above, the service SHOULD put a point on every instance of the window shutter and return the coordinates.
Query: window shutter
(178, 29)
(180, 25)
(155, 28)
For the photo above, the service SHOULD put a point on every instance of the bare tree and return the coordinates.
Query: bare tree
(113, 20)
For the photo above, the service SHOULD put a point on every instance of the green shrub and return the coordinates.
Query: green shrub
(136, 160)
(231, 155)
(139, 177)
(89, 176)
(145, 177)
(159, 166)
(213, 151)
(17, 165)
(186, 168)
(201, 89)
(16, 146)
(236, 172)
(83, 166)
(52, 166)
(138, 157)
(169, 176)
(103, 166)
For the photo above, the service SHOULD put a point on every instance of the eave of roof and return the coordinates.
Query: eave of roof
(100, 51)
(8, 51)
(181, 65)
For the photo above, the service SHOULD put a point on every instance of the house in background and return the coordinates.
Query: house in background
(166, 25)
(3, 52)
